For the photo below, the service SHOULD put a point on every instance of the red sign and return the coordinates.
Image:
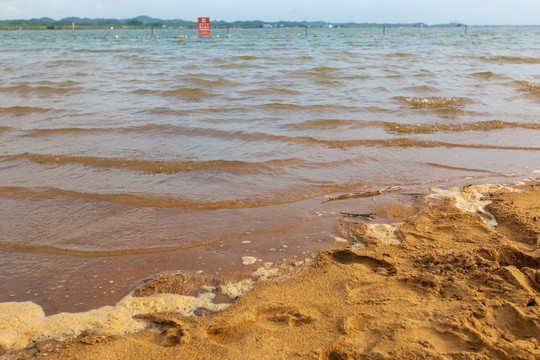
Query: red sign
(204, 26)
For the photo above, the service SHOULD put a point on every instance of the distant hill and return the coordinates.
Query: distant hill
(144, 21)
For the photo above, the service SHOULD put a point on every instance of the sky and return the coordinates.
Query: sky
(471, 12)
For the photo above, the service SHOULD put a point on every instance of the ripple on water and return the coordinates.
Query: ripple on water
(434, 102)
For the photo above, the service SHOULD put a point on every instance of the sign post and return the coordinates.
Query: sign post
(204, 26)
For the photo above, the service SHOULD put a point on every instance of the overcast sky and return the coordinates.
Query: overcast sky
(473, 12)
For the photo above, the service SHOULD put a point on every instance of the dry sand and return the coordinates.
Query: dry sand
(443, 284)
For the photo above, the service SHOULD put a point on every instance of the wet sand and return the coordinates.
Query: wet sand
(458, 279)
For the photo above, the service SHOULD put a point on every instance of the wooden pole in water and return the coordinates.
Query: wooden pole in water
(73, 26)
(305, 28)
(465, 30)
(384, 30)
(152, 31)
(227, 30)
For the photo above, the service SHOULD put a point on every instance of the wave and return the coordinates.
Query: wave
(319, 124)
(239, 66)
(64, 62)
(63, 131)
(23, 110)
(434, 102)
(296, 107)
(271, 91)
(100, 253)
(158, 200)
(420, 73)
(485, 75)
(406, 142)
(326, 69)
(146, 129)
(330, 83)
(512, 59)
(188, 92)
(145, 91)
(375, 109)
(167, 111)
(423, 88)
(400, 55)
(11, 246)
(246, 57)
(211, 83)
(108, 50)
(462, 168)
(528, 85)
(318, 73)
(161, 129)
(432, 128)
(152, 166)
(40, 90)
(66, 83)
(172, 166)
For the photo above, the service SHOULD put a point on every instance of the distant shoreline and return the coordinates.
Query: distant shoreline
(70, 27)
(146, 22)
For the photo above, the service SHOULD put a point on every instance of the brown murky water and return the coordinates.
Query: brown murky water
(121, 159)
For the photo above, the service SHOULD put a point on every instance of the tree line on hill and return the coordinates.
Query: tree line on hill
(148, 22)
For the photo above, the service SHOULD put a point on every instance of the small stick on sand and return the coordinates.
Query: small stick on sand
(360, 194)
(364, 216)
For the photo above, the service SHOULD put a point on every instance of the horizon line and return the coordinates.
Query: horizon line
(280, 21)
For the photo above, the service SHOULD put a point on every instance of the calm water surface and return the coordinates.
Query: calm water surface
(124, 158)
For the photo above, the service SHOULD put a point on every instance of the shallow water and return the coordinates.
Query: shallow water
(124, 158)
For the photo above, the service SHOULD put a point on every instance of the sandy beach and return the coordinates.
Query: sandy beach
(458, 279)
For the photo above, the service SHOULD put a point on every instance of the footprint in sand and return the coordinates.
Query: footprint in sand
(172, 331)
(347, 257)
(270, 317)
(365, 334)
(281, 317)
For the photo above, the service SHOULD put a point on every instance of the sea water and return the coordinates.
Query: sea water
(122, 158)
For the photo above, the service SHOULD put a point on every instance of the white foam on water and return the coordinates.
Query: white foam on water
(237, 289)
(24, 322)
(264, 273)
(471, 199)
(248, 260)
(383, 232)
